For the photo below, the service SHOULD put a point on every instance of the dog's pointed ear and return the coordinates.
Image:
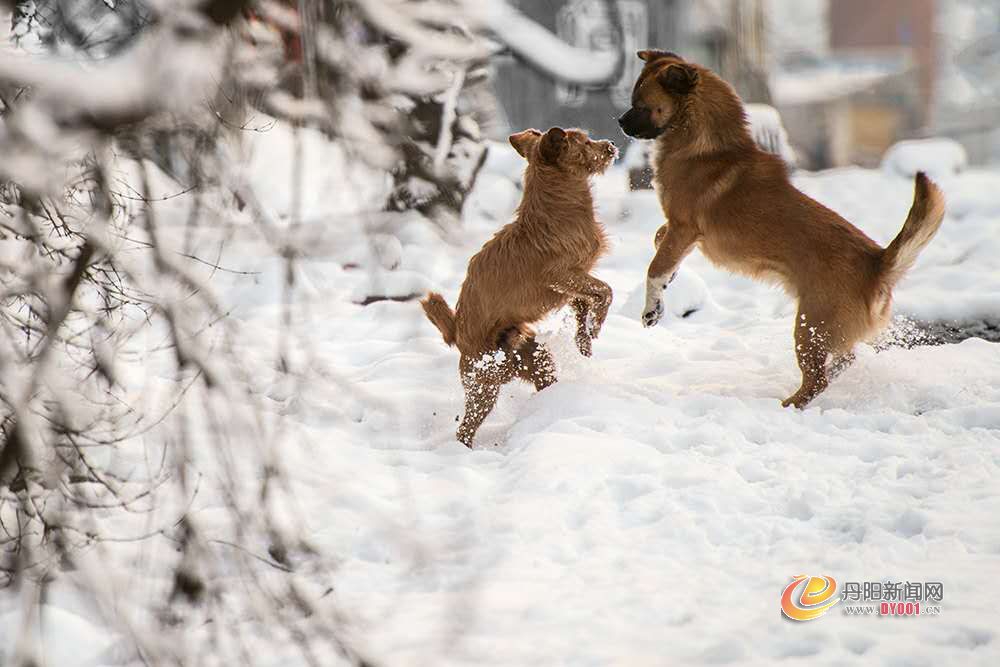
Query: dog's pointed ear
(552, 144)
(522, 141)
(649, 55)
(678, 79)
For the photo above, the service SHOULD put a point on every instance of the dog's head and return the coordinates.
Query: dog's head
(661, 94)
(568, 150)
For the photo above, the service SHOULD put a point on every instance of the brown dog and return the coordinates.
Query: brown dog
(531, 267)
(736, 203)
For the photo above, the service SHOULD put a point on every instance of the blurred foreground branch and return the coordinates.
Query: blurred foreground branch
(140, 462)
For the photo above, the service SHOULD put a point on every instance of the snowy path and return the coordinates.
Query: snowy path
(651, 506)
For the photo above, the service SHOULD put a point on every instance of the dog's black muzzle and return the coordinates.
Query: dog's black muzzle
(638, 123)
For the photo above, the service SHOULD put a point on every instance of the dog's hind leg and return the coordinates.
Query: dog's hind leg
(813, 342)
(482, 378)
(840, 364)
(535, 364)
(812, 363)
(480, 398)
(583, 340)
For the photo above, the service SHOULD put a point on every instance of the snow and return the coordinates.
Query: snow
(769, 131)
(637, 155)
(335, 185)
(938, 158)
(650, 507)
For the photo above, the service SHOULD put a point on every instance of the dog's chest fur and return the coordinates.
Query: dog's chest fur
(688, 187)
(562, 234)
(580, 245)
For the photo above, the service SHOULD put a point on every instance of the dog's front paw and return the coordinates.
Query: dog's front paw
(653, 314)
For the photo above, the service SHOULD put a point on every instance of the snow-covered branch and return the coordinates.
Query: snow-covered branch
(221, 148)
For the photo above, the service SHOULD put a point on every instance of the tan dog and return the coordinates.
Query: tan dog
(736, 203)
(531, 267)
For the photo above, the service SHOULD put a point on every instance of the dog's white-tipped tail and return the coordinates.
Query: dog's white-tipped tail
(921, 224)
(441, 315)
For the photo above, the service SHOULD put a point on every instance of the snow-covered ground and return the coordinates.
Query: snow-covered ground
(650, 507)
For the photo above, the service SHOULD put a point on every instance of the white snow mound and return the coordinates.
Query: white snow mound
(938, 158)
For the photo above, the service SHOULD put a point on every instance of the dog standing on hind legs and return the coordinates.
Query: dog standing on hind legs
(722, 193)
(538, 263)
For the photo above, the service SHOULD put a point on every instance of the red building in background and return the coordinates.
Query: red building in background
(875, 86)
(885, 27)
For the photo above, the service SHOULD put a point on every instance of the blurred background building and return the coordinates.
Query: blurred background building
(849, 77)
(728, 35)
(529, 99)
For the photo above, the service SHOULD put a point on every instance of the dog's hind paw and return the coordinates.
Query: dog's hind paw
(653, 314)
(798, 400)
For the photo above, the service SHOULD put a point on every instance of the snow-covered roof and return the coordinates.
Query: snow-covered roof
(832, 79)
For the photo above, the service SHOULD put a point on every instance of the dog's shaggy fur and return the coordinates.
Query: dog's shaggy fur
(531, 267)
(735, 202)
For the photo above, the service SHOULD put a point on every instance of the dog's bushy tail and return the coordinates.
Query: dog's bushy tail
(441, 315)
(921, 224)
